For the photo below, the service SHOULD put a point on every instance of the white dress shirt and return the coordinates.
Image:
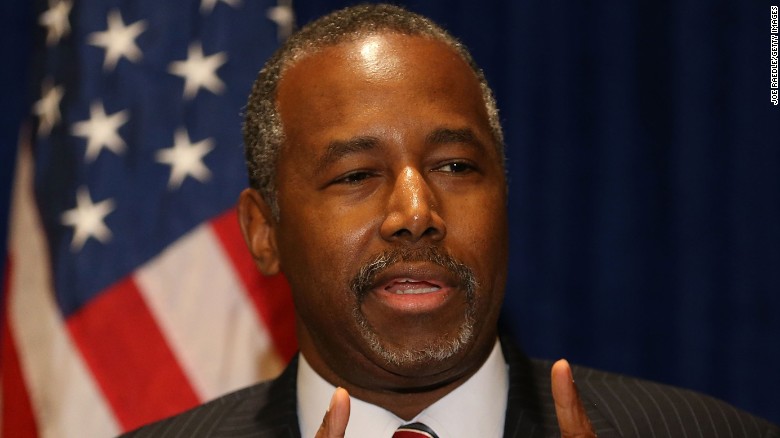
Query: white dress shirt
(474, 409)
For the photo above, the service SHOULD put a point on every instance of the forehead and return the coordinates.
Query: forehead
(376, 54)
(376, 78)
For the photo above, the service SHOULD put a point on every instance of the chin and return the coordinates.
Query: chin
(425, 354)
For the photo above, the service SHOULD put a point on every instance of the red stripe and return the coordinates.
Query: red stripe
(408, 433)
(130, 358)
(18, 419)
(271, 295)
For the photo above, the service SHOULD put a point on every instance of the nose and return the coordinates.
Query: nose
(411, 211)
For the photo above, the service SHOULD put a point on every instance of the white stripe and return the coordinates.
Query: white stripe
(205, 313)
(65, 398)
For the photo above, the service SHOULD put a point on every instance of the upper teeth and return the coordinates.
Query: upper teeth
(424, 290)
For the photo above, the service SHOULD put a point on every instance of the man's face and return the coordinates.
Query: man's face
(392, 229)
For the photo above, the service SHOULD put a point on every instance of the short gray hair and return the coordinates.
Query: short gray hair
(263, 133)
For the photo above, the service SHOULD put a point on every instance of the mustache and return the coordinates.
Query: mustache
(362, 282)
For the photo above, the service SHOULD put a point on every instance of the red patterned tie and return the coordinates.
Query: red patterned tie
(414, 430)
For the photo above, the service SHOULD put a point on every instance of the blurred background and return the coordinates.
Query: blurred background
(643, 159)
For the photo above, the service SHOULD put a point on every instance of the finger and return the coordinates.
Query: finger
(334, 423)
(572, 419)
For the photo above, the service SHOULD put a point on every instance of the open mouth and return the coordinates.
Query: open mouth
(408, 286)
(413, 288)
(424, 281)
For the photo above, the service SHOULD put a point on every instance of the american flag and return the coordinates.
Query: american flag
(130, 295)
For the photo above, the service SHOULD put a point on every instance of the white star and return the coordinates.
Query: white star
(48, 107)
(118, 40)
(186, 159)
(87, 219)
(56, 20)
(101, 131)
(199, 71)
(206, 6)
(284, 17)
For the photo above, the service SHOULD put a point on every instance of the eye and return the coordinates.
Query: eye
(353, 177)
(455, 167)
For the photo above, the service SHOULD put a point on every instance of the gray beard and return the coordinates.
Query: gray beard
(437, 350)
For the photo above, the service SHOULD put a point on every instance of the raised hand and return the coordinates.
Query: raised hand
(334, 423)
(572, 419)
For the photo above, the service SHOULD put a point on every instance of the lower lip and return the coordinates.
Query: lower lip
(413, 303)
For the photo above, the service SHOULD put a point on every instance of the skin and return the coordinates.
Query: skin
(387, 146)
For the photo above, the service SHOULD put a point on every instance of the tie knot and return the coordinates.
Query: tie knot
(414, 430)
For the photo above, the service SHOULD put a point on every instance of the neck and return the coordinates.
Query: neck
(405, 405)
(406, 393)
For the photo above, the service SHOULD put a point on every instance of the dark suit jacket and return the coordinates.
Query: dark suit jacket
(617, 406)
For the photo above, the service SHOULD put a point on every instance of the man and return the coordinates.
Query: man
(376, 163)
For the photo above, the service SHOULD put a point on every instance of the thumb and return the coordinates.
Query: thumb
(334, 423)
(572, 419)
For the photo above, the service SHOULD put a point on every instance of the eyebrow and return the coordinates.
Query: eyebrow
(448, 135)
(340, 148)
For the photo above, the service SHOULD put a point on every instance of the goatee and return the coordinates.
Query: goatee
(438, 349)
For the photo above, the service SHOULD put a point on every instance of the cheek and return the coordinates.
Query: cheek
(481, 230)
(323, 247)
(320, 253)
(480, 218)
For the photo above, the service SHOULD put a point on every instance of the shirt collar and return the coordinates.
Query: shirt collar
(475, 408)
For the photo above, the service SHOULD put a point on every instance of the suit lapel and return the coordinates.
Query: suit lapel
(530, 406)
(279, 416)
(528, 411)
(266, 410)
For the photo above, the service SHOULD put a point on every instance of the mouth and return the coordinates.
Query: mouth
(410, 286)
(415, 306)
(418, 281)
(413, 288)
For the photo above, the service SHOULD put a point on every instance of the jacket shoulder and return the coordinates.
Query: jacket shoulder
(267, 409)
(640, 408)
(206, 419)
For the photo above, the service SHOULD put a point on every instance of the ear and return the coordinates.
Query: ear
(258, 227)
